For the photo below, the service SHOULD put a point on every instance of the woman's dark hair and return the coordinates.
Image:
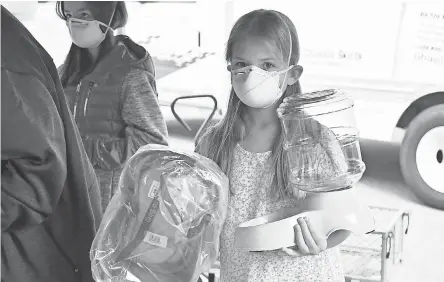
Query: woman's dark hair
(78, 62)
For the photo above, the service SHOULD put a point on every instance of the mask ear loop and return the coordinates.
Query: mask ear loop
(280, 93)
(289, 57)
(108, 27)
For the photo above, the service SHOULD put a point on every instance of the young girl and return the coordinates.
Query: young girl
(262, 53)
(110, 84)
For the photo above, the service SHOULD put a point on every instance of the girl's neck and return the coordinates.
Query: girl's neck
(261, 118)
(261, 128)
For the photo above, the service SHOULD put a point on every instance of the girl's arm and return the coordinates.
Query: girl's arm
(144, 123)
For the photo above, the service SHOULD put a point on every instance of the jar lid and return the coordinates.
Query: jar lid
(315, 103)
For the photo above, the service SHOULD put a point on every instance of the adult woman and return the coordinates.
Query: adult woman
(110, 85)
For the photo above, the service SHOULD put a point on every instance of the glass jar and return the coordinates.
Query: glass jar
(321, 141)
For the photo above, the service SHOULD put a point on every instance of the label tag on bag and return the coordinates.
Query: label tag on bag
(156, 239)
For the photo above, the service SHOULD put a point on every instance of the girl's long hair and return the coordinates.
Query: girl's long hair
(78, 62)
(219, 142)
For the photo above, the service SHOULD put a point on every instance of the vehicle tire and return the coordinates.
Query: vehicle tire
(421, 156)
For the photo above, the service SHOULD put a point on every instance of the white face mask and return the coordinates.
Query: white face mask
(87, 34)
(260, 89)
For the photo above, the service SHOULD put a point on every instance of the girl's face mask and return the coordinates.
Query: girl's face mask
(87, 34)
(256, 87)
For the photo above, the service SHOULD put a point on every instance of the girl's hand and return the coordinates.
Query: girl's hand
(308, 240)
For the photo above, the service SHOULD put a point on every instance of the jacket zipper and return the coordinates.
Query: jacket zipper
(91, 84)
(77, 100)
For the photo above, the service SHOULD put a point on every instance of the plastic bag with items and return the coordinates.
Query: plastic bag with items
(164, 222)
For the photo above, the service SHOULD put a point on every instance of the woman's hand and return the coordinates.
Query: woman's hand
(309, 241)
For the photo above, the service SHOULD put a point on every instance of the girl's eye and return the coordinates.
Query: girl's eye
(68, 16)
(85, 15)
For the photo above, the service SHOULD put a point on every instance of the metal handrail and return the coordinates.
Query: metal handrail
(184, 123)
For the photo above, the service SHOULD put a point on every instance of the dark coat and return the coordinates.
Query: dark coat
(116, 110)
(50, 197)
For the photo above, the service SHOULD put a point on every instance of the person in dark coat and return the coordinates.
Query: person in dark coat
(50, 201)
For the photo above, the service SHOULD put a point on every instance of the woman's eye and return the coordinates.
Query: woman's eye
(240, 65)
(68, 16)
(268, 66)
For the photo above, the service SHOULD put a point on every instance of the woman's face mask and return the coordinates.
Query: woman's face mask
(258, 88)
(87, 34)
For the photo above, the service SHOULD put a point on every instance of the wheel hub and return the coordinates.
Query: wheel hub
(429, 158)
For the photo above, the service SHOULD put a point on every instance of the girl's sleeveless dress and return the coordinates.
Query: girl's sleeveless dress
(250, 200)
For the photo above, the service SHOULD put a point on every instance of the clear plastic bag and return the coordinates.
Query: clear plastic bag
(164, 222)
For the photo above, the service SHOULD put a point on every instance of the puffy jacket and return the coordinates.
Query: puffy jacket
(50, 195)
(117, 111)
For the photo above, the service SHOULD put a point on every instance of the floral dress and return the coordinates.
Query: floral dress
(251, 200)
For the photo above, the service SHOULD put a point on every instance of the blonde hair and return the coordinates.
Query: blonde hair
(219, 141)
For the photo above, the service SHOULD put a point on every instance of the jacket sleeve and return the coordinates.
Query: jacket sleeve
(144, 123)
(33, 152)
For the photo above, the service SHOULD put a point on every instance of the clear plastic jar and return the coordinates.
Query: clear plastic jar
(321, 141)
